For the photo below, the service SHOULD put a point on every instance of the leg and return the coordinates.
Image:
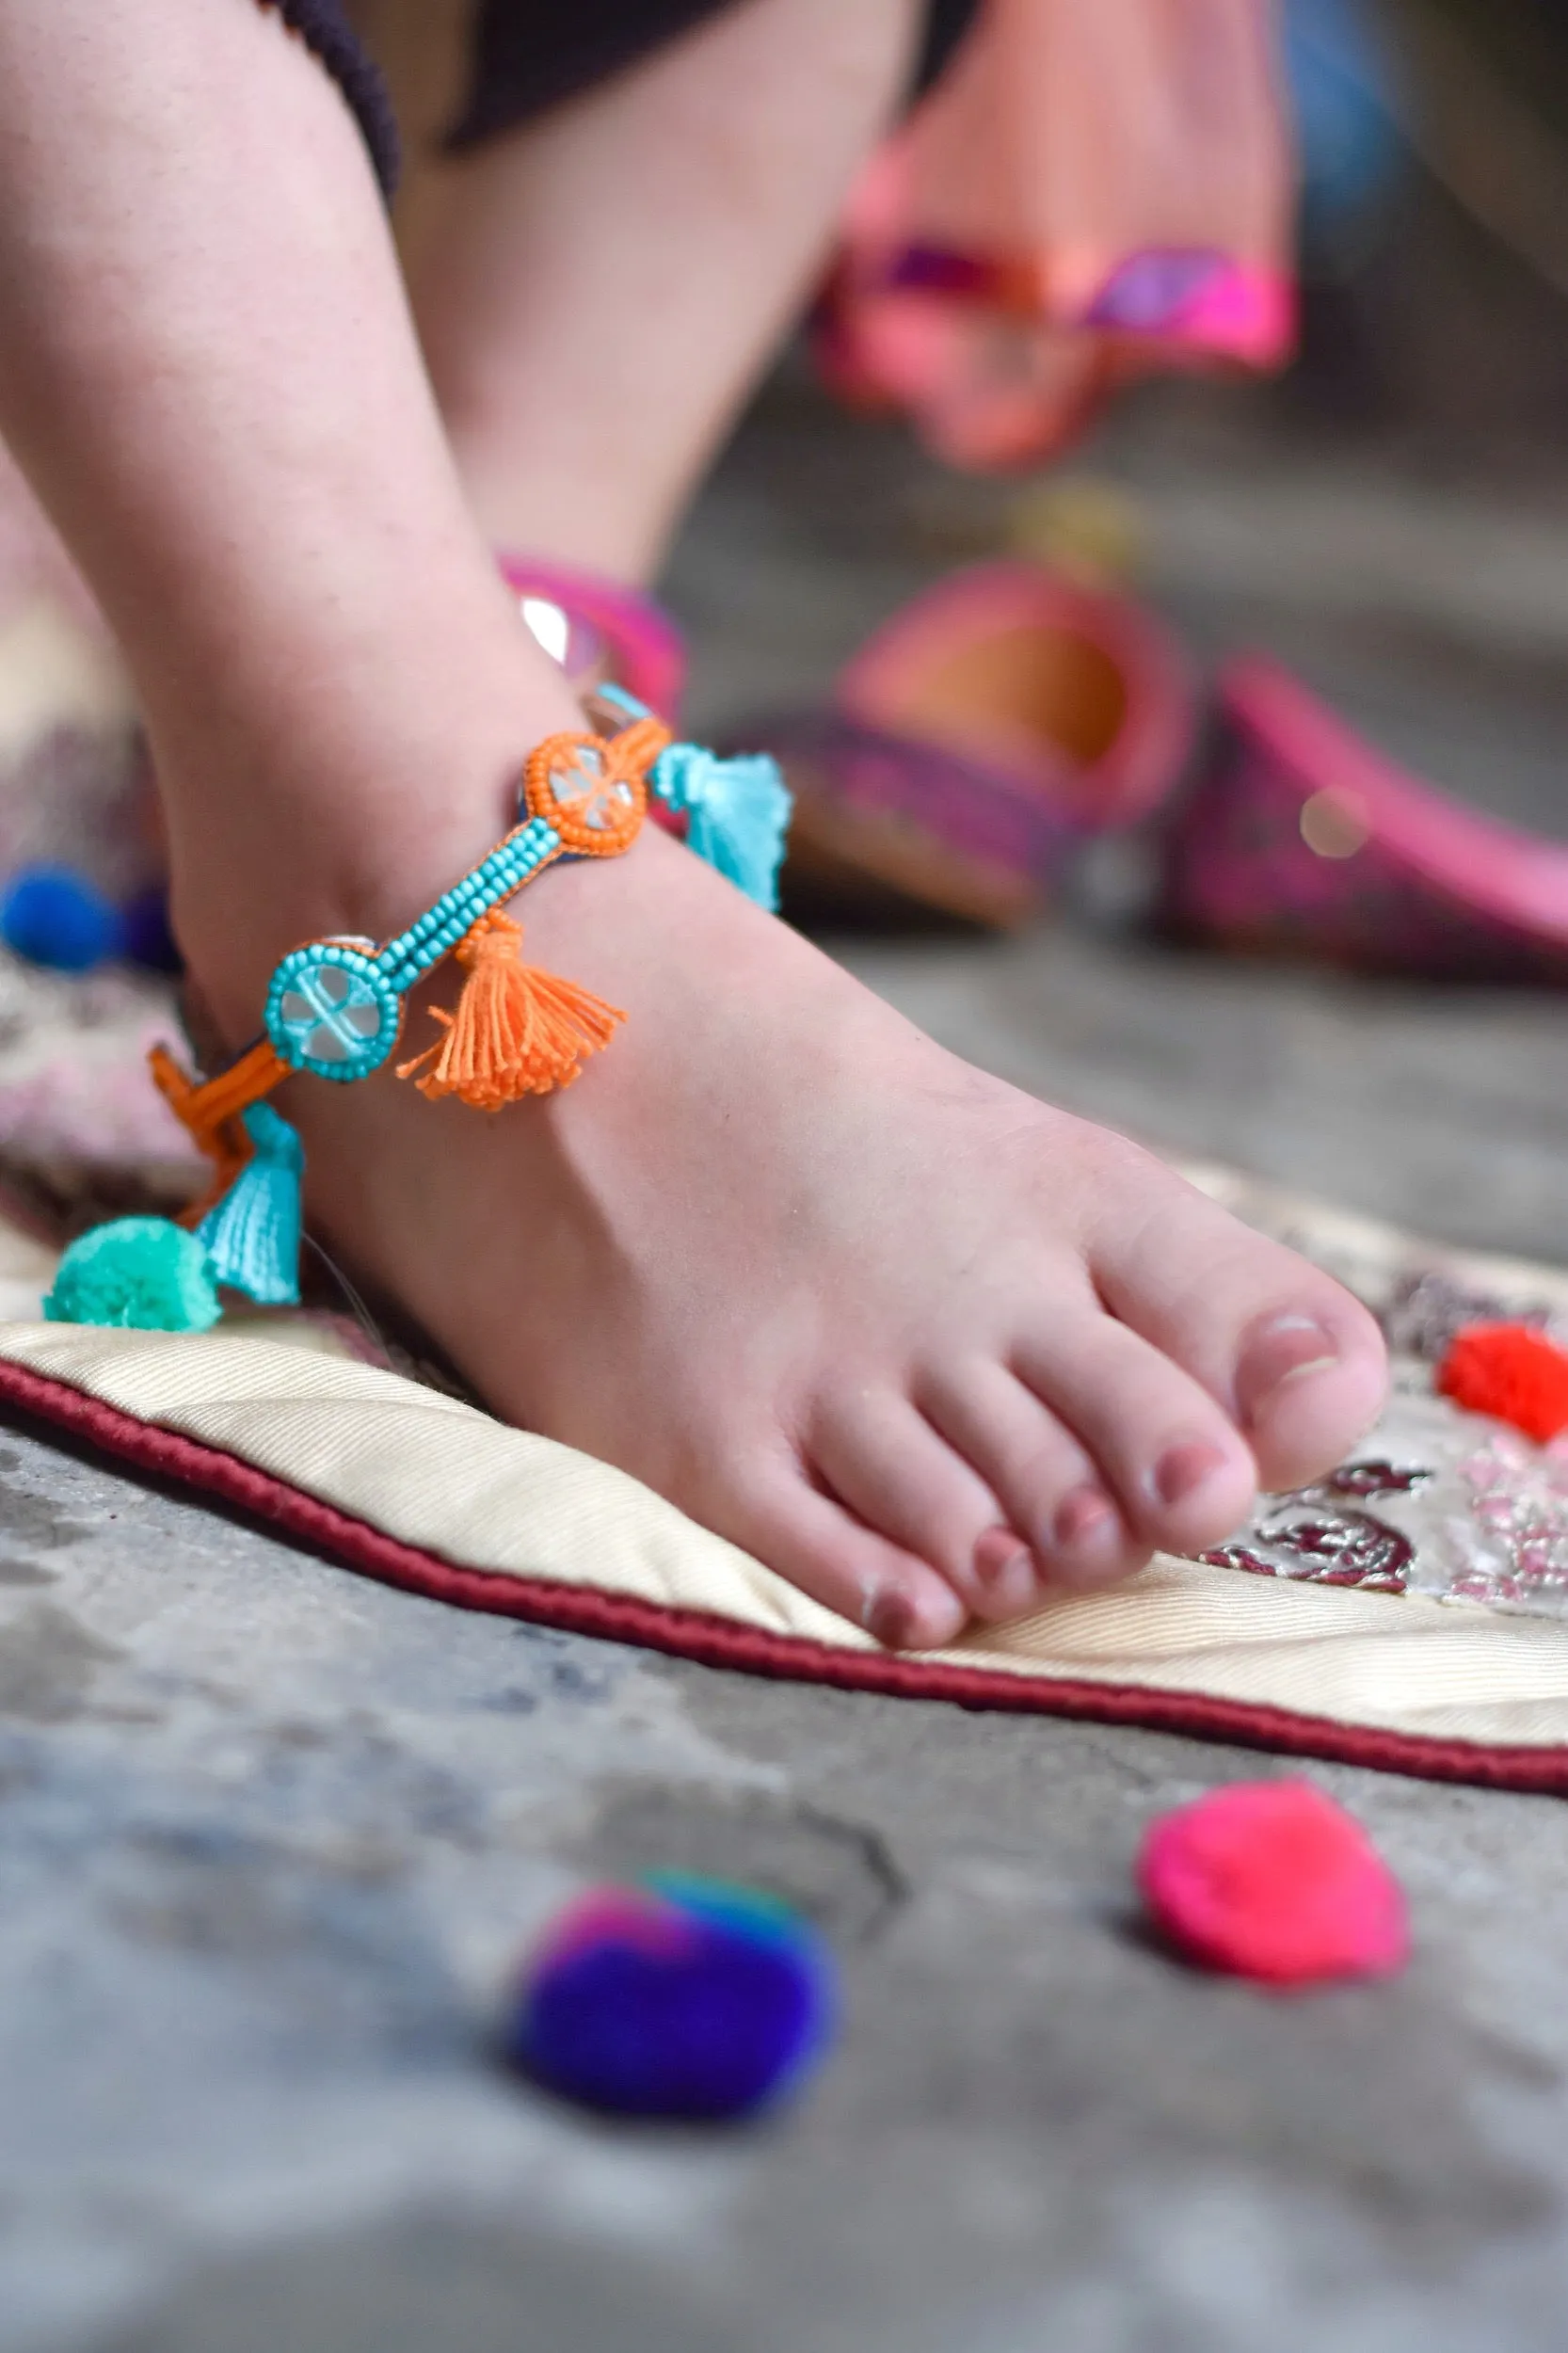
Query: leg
(855, 1306)
(206, 368)
(596, 293)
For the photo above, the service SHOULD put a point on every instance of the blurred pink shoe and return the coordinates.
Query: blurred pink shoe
(1299, 839)
(598, 630)
(978, 737)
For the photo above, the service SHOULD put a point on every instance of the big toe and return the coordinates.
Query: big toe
(1310, 1378)
(1296, 1362)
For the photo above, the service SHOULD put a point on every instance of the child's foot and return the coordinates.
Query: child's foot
(845, 1301)
(920, 1343)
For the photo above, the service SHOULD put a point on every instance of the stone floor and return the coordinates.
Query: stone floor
(269, 1834)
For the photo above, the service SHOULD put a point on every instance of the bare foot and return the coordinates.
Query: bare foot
(921, 1344)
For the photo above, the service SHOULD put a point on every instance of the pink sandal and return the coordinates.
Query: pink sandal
(978, 737)
(1299, 839)
(597, 630)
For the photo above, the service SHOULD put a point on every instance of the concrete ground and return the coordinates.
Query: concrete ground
(269, 1834)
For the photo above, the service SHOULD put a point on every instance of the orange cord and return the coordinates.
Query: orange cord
(210, 1112)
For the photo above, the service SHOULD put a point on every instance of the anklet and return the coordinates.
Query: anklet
(335, 1009)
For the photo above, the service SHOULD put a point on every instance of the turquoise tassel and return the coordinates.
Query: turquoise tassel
(737, 813)
(737, 810)
(252, 1236)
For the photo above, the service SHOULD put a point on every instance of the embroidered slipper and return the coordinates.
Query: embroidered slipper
(598, 630)
(1408, 1612)
(1299, 839)
(978, 737)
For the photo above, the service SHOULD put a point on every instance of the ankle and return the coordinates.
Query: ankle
(345, 813)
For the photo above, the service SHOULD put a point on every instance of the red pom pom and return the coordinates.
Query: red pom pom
(1271, 1879)
(1513, 1372)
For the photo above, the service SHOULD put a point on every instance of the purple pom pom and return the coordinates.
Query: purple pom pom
(147, 938)
(677, 1997)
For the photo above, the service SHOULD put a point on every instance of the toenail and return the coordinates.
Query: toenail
(889, 1617)
(1281, 1351)
(1001, 1558)
(1085, 1519)
(1007, 1574)
(1181, 1471)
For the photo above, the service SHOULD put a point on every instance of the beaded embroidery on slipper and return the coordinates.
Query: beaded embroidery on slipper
(335, 1007)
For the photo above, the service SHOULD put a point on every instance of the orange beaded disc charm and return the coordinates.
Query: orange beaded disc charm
(590, 790)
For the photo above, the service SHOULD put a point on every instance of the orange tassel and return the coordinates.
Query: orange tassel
(517, 1031)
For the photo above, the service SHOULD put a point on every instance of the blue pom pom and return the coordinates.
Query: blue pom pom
(677, 1997)
(53, 916)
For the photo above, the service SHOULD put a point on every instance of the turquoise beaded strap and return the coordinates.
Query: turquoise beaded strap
(509, 865)
(335, 1006)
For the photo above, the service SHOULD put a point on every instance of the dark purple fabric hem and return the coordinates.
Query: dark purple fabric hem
(320, 25)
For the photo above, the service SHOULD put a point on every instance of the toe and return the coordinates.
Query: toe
(1298, 1364)
(881, 1458)
(1309, 1380)
(816, 1543)
(1047, 1485)
(1181, 1473)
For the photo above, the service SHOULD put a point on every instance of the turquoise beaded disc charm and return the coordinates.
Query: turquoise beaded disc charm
(332, 1011)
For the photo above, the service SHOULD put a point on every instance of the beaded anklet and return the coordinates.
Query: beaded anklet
(334, 1008)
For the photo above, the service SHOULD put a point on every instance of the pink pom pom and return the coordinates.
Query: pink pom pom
(1271, 1879)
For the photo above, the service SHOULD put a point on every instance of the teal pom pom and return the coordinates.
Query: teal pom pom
(252, 1236)
(142, 1273)
(737, 813)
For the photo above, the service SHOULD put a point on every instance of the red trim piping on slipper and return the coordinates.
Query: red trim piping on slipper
(715, 1642)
